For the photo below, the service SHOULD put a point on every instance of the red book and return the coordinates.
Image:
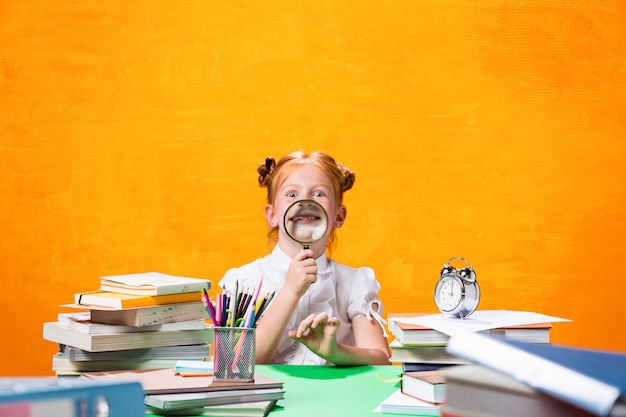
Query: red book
(427, 386)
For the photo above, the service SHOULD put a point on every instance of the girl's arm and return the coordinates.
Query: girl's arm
(371, 341)
(318, 334)
(271, 328)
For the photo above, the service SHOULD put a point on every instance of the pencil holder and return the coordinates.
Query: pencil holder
(234, 354)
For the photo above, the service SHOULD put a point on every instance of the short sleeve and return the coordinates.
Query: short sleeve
(228, 279)
(364, 299)
(364, 294)
(247, 275)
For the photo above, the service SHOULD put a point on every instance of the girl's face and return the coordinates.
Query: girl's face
(306, 182)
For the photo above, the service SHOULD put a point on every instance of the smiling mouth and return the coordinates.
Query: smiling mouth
(305, 218)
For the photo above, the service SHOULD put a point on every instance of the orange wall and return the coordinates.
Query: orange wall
(494, 130)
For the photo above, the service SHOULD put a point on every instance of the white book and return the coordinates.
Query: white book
(62, 365)
(253, 409)
(58, 333)
(150, 316)
(82, 323)
(202, 399)
(198, 351)
(422, 354)
(152, 283)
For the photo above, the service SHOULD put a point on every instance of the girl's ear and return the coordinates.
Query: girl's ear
(340, 217)
(270, 216)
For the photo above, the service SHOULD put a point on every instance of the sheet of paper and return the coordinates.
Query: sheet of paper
(480, 320)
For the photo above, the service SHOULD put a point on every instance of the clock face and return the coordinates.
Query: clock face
(448, 293)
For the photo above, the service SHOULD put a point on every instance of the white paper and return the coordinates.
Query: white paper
(400, 403)
(480, 320)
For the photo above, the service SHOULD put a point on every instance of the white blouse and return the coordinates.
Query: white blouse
(340, 291)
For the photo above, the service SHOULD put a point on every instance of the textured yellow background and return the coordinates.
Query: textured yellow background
(130, 132)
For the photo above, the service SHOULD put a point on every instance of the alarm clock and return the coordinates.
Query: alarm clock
(457, 292)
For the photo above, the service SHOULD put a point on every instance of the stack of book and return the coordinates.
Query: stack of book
(510, 378)
(420, 348)
(134, 321)
(170, 393)
(422, 352)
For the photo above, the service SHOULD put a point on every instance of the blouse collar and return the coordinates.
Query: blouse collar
(280, 261)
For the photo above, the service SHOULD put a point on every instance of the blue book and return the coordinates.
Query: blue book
(419, 367)
(192, 367)
(594, 380)
(24, 396)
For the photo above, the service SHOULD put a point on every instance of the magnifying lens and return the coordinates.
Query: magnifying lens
(306, 222)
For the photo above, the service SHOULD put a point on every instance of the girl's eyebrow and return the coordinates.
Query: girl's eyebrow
(298, 186)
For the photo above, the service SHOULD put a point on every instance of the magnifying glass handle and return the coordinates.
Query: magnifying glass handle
(306, 247)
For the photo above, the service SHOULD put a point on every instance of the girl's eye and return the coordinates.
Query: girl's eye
(291, 194)
(318, 194)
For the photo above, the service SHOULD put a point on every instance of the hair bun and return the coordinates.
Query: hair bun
(348, 177)
(265, 170)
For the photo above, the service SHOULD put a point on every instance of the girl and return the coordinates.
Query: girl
(322, 312)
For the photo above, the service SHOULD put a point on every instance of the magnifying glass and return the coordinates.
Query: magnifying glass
(306, 222)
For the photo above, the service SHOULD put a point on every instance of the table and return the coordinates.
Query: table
(330, 391)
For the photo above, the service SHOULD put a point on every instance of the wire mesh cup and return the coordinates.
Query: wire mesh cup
(234, 354)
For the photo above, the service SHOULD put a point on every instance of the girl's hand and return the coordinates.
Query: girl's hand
(302, 272)
(317, 332)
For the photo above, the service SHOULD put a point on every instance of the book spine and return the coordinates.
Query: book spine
(150, 316)
(171, 313)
